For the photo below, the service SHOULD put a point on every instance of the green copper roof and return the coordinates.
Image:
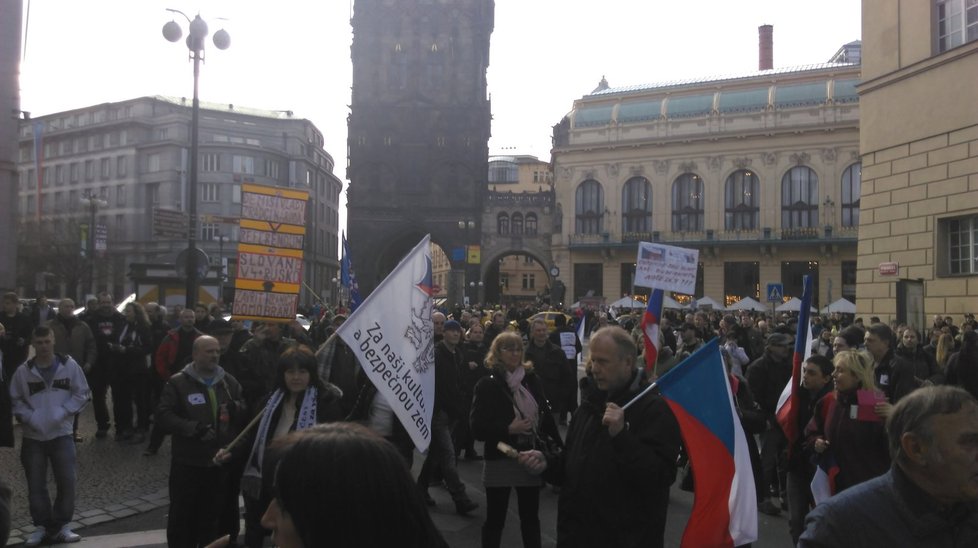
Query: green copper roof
(743, 101)
(640, 111)
(800, 95)
(690, 105)
(593, 116)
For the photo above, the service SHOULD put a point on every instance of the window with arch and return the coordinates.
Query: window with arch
(502, 224)
(799, 198)
(851, 191)
(589, 207)
(687, 203)
(741, 199)
(517, 223)
(636, 205)
(530, 224)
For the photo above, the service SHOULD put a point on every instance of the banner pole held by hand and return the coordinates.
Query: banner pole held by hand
(640, 395)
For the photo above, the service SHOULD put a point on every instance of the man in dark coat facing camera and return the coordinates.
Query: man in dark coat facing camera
(618, 465)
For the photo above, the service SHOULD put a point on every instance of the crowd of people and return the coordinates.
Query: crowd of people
(241, 400)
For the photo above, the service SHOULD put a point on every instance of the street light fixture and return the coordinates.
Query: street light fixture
(195, 43)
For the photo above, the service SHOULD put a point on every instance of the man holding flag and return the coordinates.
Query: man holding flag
(618, 464)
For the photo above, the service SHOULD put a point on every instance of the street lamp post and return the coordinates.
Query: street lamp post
(93, 202)
(195, 43)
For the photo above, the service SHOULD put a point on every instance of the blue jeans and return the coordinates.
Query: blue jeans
(34, 455)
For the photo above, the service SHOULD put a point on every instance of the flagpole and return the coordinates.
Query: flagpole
(640, 395)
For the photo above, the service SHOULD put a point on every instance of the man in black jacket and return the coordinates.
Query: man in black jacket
(447, 410)
(618, 465)
(202, 407)
(106, 324)
(16, 336)
(767, 377)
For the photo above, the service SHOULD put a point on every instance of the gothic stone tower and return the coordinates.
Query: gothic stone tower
(418, 132)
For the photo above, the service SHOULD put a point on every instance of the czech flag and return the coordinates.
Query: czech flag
(725, 502)
(788, 403)
(650, 330)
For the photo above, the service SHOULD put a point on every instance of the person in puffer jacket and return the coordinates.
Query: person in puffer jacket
(46, 393)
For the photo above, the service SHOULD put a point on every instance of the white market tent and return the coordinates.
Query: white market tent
(748, 303)
(707, 302)
(670, 303)
(627, 302)
(842, 305)
(793, 305)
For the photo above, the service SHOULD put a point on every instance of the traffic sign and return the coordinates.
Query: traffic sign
(169, 224)
(775, 293)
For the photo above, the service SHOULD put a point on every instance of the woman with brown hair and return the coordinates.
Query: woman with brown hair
(509, 406)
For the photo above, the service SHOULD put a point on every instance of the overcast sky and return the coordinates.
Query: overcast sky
(295, 54)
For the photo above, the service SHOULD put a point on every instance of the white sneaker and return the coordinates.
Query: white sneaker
(37, 537)
(65, 535)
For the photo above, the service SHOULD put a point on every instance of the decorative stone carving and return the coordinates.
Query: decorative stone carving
(854, 155)
(714, 162)
(828, 155)
(770, 158)
(742, 163)
(686, 167)
(588, 174)
(636, 171)
(661, 166)
(800, 158)
(612, 169)
(565, 173)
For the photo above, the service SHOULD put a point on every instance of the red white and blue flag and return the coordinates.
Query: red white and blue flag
(823, 483)
(725, 502)
(650, 329)
(788, 403)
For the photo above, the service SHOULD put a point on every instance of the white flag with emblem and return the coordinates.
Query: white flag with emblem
(392, 335)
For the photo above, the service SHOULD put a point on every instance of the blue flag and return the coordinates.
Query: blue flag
(348, 278)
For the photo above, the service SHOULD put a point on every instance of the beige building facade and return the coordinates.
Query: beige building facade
(919, 146)
(760, 172)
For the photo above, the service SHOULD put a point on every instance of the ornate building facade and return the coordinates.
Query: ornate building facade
(760, 172)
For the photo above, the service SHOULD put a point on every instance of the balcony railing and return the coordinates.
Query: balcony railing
(800, 235)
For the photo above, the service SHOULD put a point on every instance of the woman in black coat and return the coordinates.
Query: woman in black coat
(510, 406)
(300, 400)
(130, 350)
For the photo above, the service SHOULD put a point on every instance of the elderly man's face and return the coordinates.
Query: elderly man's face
(952, 458)
(438, 322)
(611, 370)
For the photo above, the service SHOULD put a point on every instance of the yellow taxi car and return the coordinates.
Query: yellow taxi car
(550, 317)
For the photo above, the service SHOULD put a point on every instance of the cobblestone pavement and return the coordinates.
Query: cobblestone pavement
(114, 480)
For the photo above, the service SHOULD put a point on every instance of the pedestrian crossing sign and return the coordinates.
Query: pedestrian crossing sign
(775, 293)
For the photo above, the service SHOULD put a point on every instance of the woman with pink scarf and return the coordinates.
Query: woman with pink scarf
(509, 406)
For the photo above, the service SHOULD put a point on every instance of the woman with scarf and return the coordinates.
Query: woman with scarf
(300, 400)
(509, 406)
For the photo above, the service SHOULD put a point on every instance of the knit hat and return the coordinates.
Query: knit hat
(453, 325)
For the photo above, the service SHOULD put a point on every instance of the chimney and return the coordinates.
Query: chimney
(765, 47)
